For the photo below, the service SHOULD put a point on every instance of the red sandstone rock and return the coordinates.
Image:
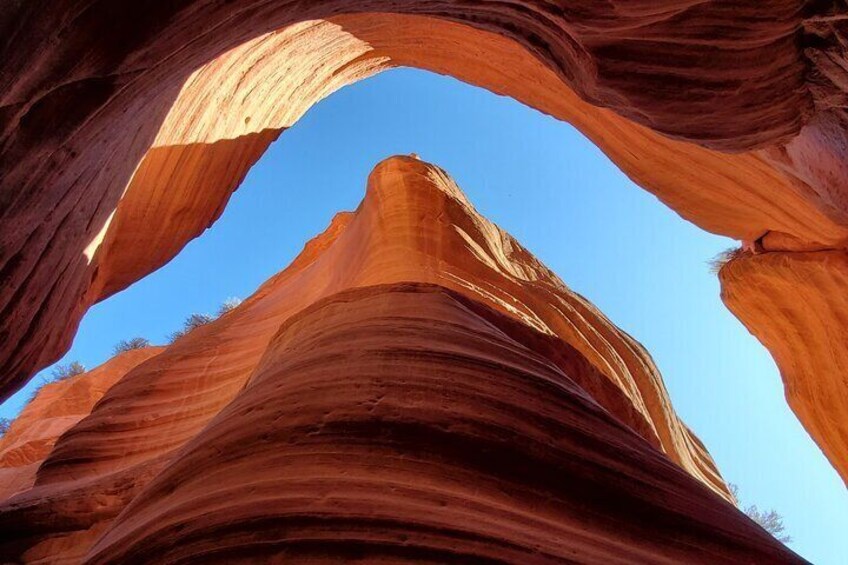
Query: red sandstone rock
(112, 114)
(155, 71)
(795, 305)
(56, 408)
(400, 424)
(415, 386)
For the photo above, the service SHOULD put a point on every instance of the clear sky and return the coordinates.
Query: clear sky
(542, 181)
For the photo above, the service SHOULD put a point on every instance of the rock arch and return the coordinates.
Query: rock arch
(125, 128)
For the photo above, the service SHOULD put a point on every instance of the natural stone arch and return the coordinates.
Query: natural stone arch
(104, 128)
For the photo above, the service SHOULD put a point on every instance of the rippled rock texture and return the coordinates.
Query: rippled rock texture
(125, 127)
(414, 387)
(55, 409)
(796, 305)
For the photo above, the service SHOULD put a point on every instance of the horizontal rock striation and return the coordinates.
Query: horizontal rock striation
(414, 386)
(414, 225)
(56, 407)
(731, 113)
(399, 424)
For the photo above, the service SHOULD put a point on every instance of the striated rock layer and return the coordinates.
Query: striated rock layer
(415, 387)
(56, 408)
(399, 423)
(796, 304)
(124, 128)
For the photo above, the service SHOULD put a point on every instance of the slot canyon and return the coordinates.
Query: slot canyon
(415, 386)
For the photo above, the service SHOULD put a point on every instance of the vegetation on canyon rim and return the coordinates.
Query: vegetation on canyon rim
(62, 372)
(769, 520)
(74, 368)
(725, 257)
(196, 320)
(130, 344)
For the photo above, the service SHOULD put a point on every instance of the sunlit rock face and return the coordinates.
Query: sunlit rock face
(414, 387)
(796, 305)
(125, 127)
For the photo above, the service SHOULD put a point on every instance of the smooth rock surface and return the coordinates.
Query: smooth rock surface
(112, 114)
(414, 386)
(796, 304)
(125, 127)
(398, 423)
(53, 410)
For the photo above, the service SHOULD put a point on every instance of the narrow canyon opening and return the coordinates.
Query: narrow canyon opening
(567, 190)
(126, 133)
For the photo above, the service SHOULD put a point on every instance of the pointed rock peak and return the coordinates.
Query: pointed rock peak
(406, 174)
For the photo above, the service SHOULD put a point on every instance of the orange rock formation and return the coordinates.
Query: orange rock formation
(415, 386)
(794, 303)
(112, 115)
(55, 409)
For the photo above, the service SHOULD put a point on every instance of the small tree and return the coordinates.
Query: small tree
(130, 344)
(62, 372)
(4, 426)
(769, 520)
(196, 320)
(59, 373)
(192, 322)
(723, 258)
(175, 335)
(228, 304)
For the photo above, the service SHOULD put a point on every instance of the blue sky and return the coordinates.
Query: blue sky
(542, 181)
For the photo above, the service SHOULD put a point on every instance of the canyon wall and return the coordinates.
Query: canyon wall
(415, 387)
(54, 409)
(111, 115)
(794, 303)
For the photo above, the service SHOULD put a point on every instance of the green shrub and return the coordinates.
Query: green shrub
(192, 322)
(130, 344)
(769, 520)
(62, 372)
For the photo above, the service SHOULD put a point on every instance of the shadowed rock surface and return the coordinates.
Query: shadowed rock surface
(116, 114)
(415, 387)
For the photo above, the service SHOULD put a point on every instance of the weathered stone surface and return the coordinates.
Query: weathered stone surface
(400, 424)
(119, 115)
(124, 127)
(414, 386)
(54, 410)
(796, 304)
(732, 113)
